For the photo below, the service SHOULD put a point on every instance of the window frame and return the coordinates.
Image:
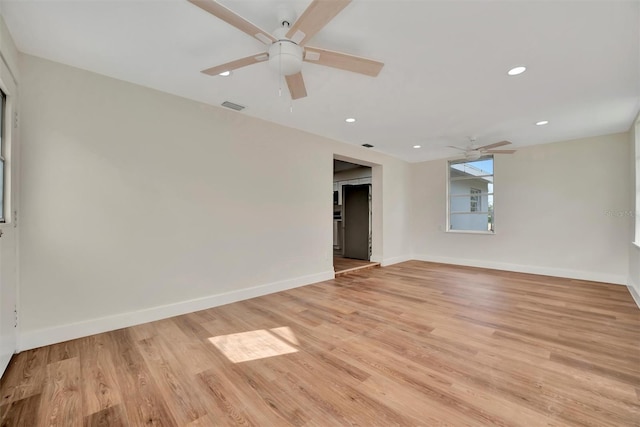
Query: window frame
(448, 196)
(4, 116)
(9, 86)
(636, 212)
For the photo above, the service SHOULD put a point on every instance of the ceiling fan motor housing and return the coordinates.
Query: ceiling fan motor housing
(285, 52)
(473, 154)
(285, 57)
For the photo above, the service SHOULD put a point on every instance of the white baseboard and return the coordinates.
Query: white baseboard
(395, 260)
(376, 258)
(634, 295)
(531, 269)
(41, 337)
(46, 336)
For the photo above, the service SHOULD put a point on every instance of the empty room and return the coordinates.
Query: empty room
(319, 213)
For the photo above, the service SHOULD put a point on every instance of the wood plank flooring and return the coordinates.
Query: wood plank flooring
(347, 265)
(414, 344)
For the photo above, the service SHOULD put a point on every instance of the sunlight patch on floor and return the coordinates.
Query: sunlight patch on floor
(286, 333)
(258, 344)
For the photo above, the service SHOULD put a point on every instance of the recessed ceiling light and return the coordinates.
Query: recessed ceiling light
(516, 70)
(417, 146)
(225, 73)
(542, 122)
(350, 120)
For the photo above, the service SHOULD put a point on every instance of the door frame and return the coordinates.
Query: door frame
(9, 239)
(376, 203)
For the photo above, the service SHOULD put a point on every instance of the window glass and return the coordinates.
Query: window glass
(471, 195)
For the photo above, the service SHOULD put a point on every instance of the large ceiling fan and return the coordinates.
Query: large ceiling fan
(473, 152)
(287, 45)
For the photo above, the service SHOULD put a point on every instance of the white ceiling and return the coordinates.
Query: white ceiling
(444, 77)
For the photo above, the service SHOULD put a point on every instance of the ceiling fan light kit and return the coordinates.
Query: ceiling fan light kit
(287, 48)
(472, 155)
(285, 57)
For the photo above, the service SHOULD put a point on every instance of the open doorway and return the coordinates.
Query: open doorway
(352, 216)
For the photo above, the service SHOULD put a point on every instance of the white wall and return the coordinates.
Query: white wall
(363, 172)
(8, 49)
(138, 204)
(138, 200)
(634, 248)
(552, 212)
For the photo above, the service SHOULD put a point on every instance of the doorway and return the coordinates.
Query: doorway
(356, 226)
(352, 216)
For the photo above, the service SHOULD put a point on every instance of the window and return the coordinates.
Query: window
(470, 194)
(3, 99)
(476, 201)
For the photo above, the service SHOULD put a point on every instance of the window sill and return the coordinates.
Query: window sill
(636, 244)
(487, 233)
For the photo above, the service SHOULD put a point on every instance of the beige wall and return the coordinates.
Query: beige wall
(634, 249)
(138, 200)
(138, 205)
(8, 49)
(555, 212)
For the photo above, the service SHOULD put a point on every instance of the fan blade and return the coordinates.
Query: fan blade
(232, 18)
(238, 63)
(316, 16)
(457, 148)
(499, 151)
(295, 82)
(343, 61)
(494, 145)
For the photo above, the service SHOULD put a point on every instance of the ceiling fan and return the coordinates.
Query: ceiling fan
(473, 152)
(287, 45)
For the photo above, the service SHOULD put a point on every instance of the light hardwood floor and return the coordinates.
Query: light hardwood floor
(411, 344)
(347, 265)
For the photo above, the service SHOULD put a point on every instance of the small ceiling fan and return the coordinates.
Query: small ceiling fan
(287, 45)
(473, 152)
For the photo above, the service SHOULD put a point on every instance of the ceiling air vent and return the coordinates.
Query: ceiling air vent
(367, 145)
(233, 106)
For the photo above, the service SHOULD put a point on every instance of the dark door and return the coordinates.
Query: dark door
(355, 217)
